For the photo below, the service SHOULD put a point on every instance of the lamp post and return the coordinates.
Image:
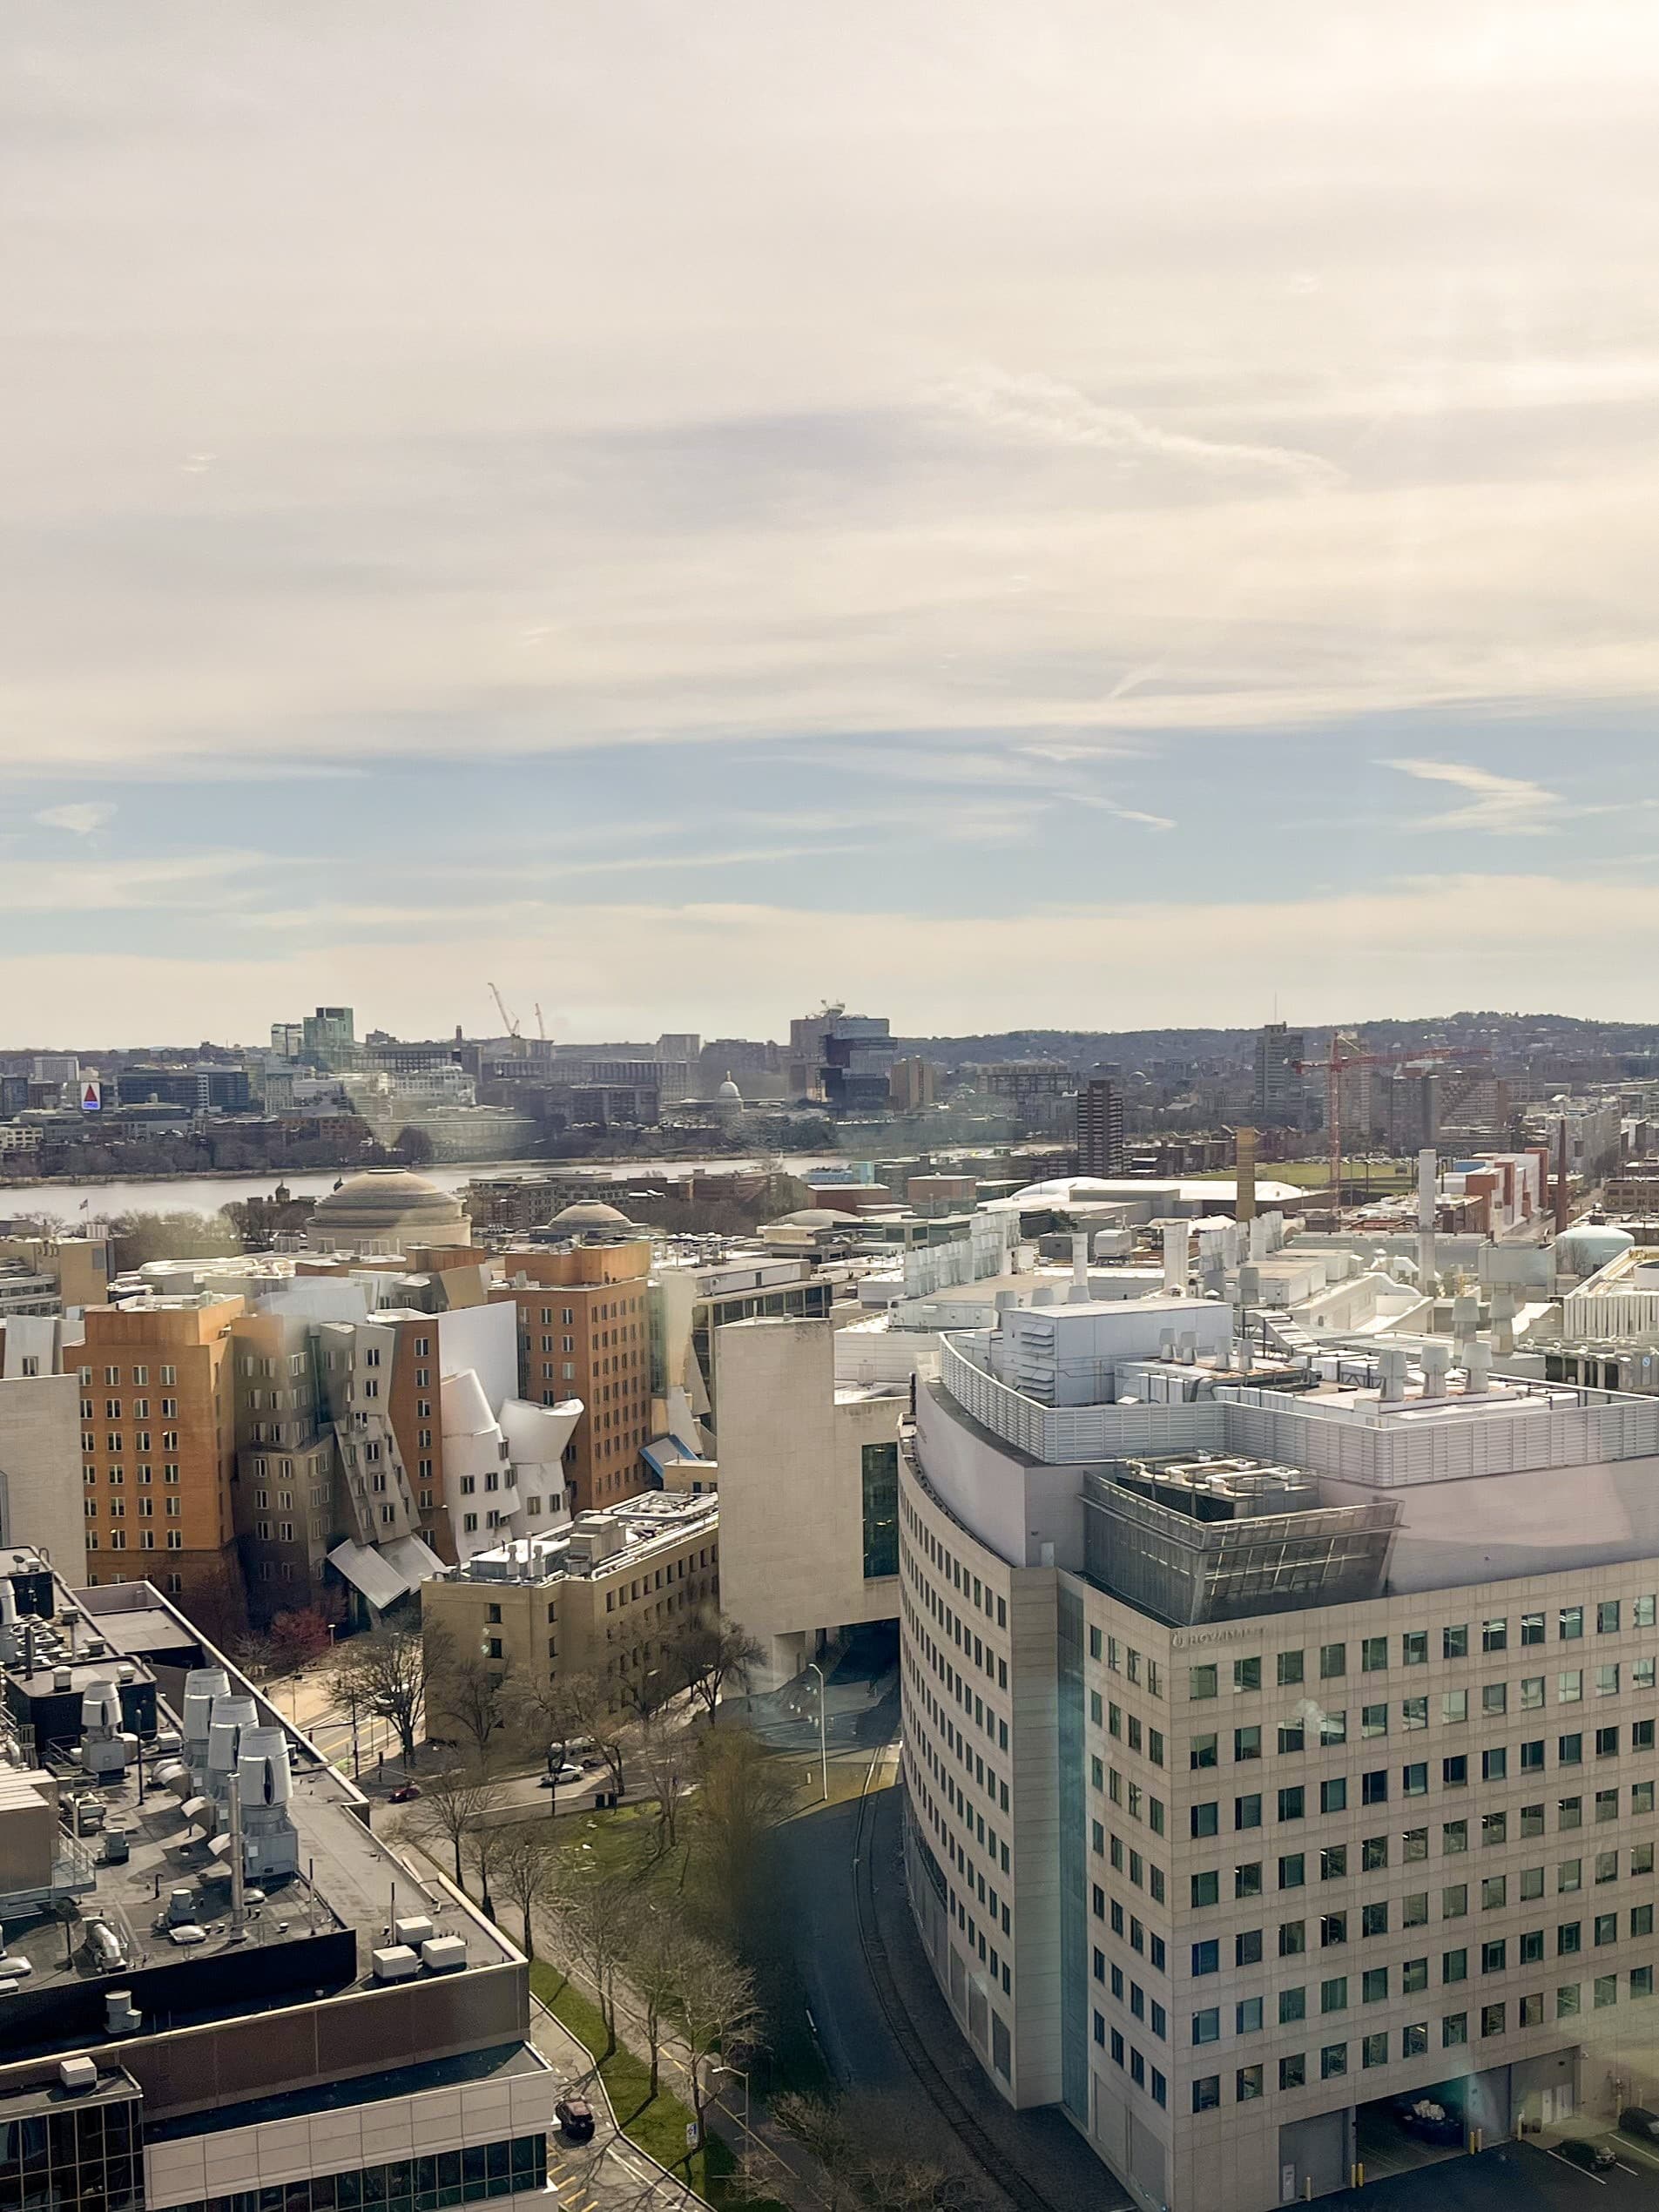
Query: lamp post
(823, 1732)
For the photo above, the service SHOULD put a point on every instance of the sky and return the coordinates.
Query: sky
(1080, 514)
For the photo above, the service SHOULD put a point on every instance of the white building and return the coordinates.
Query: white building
(1279, 1746)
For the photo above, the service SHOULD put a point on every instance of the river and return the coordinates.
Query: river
(206, 1194)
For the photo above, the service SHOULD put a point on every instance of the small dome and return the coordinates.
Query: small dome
(1583, 1249)
(590, 1213)
(728, 1093)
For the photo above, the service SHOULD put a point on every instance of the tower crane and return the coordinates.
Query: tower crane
(501, 1007)
(541, 1026)
(1336, 1064)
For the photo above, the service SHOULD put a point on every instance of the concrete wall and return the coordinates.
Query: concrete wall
(792, 1510)
(40, 1469)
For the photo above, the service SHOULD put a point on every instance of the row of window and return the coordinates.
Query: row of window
(1124, 1659)
(1249, 1880)
(140, 1378)
(1205, 1820)
(118, 1476)
(146, 1508)
(140, 1409)
(1332, 2059)
(117, 1540)
(1609, 1617)
(429, 2184)
(1457, 1768)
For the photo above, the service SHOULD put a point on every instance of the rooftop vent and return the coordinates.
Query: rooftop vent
(79, 2074)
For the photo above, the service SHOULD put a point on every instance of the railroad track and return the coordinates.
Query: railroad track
(934, 2082)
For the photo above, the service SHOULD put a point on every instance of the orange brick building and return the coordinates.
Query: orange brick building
(157, 1452)
(584, 1331)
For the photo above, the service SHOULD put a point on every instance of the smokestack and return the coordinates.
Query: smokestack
(1428, 1168)
(1176, 1257)
(1561, 1222)
(1244, 1171)
(1080, 1267)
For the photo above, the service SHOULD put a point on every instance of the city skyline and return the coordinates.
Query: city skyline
(1097, 539)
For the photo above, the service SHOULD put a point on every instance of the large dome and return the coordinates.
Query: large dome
(1581, 1252)
(386, 1209)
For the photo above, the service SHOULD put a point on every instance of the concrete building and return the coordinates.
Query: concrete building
(1279, 1743)
(1282, 1097)
(913, 1085)
(690, 1299)
(158, 1452)
(808, 1491)
(239, 1997)
(584, 1334)
(600, 1597)
(40, 1461)
(1100, 1128)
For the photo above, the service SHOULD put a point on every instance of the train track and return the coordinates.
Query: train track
(933, 2082)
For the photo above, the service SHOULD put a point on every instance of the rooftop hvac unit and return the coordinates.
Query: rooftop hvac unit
(444, 1954)
(395, 1962)
(78, 2075)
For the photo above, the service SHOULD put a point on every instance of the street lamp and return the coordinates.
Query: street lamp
(823, 1733)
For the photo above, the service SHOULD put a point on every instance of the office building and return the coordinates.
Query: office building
(221, 1989)
(40, 1447)
(584, 1334)
(1100, 1128)
(913, 1085)
(158, 1452)
(1283, 1099)
(328, 1037)
(601, 1597)
(1279, 1741)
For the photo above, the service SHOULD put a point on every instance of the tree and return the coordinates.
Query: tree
(669, 1762)
(593, 1708)
(595, 1912)
(413, 1147)
(299, 1636)
(387, 1674)
(525, 1865)
(482, 1847)
(654, 1971)
(139, 1238)
(865, 2151)
(256, 1654)
(715, 2003)
(743, 1792)
(705, 1653)
(451, 1806)
(464, 1695)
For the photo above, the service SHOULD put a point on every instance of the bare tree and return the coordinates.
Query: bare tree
(866, 2152)
(450, 1807)
(715, 2003)
(597, 1716)
(482, 1847)
(706, 1652)
(669, 1761)
(595, 1913)
(388, 1674)
(542, 1716)
(463, 1695)
(655, 1973)
(524, 1867)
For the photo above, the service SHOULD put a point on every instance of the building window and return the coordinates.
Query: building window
(880, 1474)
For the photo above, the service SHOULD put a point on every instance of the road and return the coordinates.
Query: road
(1516, 2177)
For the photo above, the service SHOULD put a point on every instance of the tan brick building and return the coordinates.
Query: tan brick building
(603, 1597)
(584, 1331)
(157, 1452)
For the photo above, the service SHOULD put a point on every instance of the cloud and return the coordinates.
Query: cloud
(1048, 412)
(1502, 806)
(80, 818)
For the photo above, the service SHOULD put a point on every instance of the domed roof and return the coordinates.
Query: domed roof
(590, 1213)
(1591, 1246)
(383, 1204)
(729, 1093)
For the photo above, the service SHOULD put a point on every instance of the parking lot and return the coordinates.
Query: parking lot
(1516, 2177)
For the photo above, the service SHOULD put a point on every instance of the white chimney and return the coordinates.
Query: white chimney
(1176, 1261)
(1478, 1371)
(1428, 1169)
(1437, 1359)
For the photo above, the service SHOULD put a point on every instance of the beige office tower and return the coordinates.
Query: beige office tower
(1279, 1754)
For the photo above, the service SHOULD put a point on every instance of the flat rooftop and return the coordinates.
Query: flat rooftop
(499, 2063)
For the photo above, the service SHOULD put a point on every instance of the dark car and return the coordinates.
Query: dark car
(1594, 2158)
(1636, 2119)
(407, 1794)
(575, 2116)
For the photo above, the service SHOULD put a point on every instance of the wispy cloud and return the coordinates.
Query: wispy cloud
(1046, 410)
(1502, 805)
(80, 819)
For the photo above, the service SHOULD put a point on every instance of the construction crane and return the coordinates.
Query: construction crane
(541, 1026)
(501, 1005)
(1336, 1064)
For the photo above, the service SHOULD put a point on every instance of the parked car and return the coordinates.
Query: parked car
(405, 1793)
(575, 2116)
(1430, 2121)
(1638, 2120)
(1594, 2158)
(566, 1774)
